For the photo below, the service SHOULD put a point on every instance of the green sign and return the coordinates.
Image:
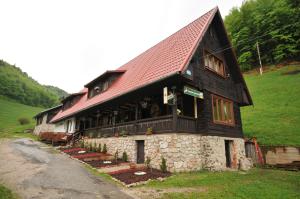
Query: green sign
(192, 92)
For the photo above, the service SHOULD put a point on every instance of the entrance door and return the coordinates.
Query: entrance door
(227, 153)
(140, 151)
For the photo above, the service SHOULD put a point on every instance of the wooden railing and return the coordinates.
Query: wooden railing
(186, 124)
(158, 124)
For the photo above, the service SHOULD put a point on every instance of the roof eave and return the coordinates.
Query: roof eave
(130, 91)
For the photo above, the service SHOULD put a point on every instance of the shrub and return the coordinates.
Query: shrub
(95, 148)
(123, 133)
(81, 144)
(23, 120)
(163, 166)
(91, 147)
(99, 148)
(104, 150)
(149, 131)
(116, 156)
(124, 156)
(148, 161)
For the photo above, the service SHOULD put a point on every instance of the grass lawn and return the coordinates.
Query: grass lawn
(10, 112)
(256, 183)
(6, 193)
(275, 117)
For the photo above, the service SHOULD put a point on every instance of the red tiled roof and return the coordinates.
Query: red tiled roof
(166, 58)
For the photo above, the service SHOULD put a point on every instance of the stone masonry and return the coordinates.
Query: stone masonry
(183, 152)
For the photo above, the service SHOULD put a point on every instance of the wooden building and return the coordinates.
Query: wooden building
(179, 99)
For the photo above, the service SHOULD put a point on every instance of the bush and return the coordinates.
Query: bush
(116, 156)
(95, 148)
(163, 166)
(91, 147)
(23, 120)
(99, 148)
(104, 150)
(124, 157)
(81, 144)
(148, 161)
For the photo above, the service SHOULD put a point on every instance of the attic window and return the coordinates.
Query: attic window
(214, 64)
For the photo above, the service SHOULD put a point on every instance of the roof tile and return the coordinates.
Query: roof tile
(165, 58)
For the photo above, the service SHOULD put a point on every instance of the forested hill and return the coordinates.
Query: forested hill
(274, 24)
(17, 85)
(59, 92)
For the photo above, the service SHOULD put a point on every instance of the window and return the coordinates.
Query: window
(222, 110)
(214, 64)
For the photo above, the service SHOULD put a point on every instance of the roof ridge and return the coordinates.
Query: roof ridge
(214, 9)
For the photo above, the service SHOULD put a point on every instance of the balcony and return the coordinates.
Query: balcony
(162, 124)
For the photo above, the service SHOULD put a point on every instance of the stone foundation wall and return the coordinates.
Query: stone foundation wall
(183, 152)
(43, 128)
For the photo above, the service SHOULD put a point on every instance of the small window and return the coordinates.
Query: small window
(222, 110)
(214, 64)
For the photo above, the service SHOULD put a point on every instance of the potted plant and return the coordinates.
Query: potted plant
(149, 131)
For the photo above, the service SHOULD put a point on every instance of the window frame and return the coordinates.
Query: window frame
(205, 52)
(230, 112)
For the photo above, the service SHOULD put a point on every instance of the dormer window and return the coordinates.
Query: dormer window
(103, 82)
(70, 100)
(214, 64)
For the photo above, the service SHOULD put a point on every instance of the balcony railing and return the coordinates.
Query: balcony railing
(162, 124)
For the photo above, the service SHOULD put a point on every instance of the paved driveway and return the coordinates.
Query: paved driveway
(34, 170)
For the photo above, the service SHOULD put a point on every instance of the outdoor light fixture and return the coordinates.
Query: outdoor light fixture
(144, 104)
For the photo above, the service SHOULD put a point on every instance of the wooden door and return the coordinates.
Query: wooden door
(140, 151)
(227, 153)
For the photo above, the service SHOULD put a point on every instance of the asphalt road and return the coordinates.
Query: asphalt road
(34, 170)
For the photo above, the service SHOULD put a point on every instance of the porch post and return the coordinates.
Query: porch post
(195, 108)
(174, 111)
(136, 117)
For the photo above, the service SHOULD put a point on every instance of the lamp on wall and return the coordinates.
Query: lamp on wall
(115, 112)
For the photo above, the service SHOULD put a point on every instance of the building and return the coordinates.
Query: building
(179, 100)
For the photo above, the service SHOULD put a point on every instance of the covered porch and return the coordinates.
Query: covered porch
(171, 105)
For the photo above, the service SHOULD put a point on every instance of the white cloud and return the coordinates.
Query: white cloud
(66, 43)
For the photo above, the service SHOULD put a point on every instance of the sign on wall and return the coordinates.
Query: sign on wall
(192, 92)
(168, 98)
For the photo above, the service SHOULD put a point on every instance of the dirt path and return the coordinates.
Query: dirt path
(34, 171)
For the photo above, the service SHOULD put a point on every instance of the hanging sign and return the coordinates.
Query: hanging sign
(168, 98)
(192, 92)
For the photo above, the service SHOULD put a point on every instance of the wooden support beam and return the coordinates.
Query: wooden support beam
(195, 108)
(174, 112)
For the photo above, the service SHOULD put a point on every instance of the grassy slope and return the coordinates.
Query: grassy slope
(275, 117)
(257, 183)
(9, 114)
(6, 193)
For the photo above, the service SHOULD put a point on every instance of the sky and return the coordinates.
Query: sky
(67, 43)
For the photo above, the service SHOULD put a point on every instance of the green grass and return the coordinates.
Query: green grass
(10, 112)
(275, 117)
(6, 193)
(256, 183)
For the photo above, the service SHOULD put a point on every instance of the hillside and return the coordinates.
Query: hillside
(59, 92)
(274, 24)
(18, 86)
(275, 117)
(9, 115)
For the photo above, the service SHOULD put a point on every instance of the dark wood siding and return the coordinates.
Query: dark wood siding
(212, 83)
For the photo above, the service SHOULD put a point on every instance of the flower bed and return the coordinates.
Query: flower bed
(101, 163)
(128, 177)
(70, 150)
(87, 155)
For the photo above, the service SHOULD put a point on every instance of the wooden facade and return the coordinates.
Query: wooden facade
(143, 110)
